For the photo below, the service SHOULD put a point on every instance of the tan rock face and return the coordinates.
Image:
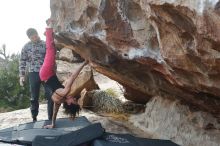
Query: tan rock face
(66, 54)
(163, 47)
(167, 119)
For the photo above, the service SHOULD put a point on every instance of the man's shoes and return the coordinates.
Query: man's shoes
(34, 119)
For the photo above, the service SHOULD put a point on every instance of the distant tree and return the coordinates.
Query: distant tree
(3, 52)
(11, 93)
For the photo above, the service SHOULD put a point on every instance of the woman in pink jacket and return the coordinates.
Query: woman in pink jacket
(48, 75)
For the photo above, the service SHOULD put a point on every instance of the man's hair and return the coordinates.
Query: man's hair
(71, 109)
(31, 31)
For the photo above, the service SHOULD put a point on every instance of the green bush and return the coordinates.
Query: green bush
(12, 95)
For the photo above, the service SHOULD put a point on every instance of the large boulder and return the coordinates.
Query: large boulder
(158, 47)
(163, 48)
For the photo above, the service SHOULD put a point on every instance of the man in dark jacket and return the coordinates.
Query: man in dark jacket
(32, 57)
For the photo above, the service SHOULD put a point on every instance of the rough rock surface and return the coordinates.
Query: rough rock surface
(166, 48)
(69, 55)
(167, 119)
(66, 55)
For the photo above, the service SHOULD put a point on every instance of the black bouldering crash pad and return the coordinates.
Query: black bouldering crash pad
(111, 139)
(25, 133)
(74, 138)
(71, 133)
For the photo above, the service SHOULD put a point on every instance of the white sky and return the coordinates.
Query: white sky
(16, 16)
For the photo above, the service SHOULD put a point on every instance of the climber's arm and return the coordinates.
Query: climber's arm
(73, 76)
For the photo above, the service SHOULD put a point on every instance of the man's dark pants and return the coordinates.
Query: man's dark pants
(35, 82)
